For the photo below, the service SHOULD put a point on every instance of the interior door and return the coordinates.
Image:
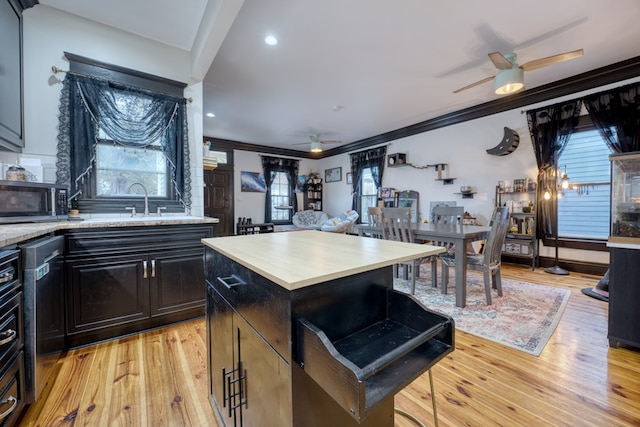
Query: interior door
(218, 198)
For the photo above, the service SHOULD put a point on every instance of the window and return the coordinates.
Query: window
(280, 198)
(368, 194)
(118, 167)
(121, 128)
(583, 213)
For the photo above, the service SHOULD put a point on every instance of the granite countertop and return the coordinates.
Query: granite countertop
(16, 233)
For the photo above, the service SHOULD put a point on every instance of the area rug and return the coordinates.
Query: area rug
(524, 318)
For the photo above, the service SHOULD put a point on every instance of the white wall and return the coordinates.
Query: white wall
(48, 33)
(251, 205)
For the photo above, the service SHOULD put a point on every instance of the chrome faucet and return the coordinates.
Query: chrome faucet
(146, 197)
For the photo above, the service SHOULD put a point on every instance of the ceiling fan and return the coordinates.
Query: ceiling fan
(510, 77)
(316, 143)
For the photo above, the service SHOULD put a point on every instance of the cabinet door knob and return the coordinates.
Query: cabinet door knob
(153, 268)
(144, 269)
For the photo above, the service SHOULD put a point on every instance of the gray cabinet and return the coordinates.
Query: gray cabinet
(520, 241)
(124, 280)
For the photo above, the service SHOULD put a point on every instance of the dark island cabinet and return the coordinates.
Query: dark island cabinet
(124, 280)
(249, 380)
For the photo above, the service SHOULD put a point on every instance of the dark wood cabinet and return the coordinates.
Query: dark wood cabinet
(313, 194)
(11, 110)
(247, 376)
(106, 291)
(124, 280)
(13, 391)
(624, 297)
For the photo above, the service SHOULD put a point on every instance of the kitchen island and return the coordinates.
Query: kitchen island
(304, 329)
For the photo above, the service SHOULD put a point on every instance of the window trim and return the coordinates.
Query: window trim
(289, 211)
(598, 245)
(90, 203)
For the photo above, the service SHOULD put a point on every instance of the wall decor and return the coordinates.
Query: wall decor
(333, 175)
(349, 178)
(508, 145)
(252, 182)
(302, 180)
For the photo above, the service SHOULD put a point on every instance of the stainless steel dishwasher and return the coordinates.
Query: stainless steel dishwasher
(43, 264)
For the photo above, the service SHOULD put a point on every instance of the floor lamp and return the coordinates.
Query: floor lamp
(556, 269)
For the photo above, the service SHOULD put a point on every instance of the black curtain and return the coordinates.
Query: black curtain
(375, 159)
(616, 114)
(550, 128)
(271, 165)
(128, 116)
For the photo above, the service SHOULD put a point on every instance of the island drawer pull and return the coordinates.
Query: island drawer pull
(14, 403)
(7, 336)
(231, 281)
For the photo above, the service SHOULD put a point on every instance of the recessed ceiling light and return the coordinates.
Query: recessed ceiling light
(210, 115)
(271, 40)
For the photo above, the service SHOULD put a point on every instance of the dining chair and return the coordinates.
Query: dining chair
(447, 215)
(487, 262)
(375, 215)
(397, 225)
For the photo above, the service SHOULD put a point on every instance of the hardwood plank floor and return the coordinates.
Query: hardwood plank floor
(159, 378)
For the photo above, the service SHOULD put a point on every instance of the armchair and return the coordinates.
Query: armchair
(309, 219)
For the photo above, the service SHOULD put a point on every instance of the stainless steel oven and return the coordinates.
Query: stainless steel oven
(31, 202)
(43, 265)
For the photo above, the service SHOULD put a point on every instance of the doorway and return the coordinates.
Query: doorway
(218, 198)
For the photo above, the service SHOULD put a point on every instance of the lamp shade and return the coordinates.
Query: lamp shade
(509, 81)
(316, 146)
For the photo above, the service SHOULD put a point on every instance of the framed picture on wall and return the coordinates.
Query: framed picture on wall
(349, 178)
(333, 175)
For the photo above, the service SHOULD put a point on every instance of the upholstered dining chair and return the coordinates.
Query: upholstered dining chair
(488, 262)
(397, 225)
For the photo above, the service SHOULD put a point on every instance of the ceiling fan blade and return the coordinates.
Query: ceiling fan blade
(549, 60)
(302, 143)
(478, 83)
(330, 142)
(500, 61)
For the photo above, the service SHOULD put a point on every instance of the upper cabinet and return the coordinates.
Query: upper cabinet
(11, 85)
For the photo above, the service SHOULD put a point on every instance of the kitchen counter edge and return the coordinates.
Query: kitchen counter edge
(16, 233)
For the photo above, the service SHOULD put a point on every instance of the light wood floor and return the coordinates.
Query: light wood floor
(159, 378)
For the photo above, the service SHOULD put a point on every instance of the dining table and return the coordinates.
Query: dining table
(459, 235)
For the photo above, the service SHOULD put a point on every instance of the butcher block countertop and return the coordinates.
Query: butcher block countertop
(16, 233)
(297, 259)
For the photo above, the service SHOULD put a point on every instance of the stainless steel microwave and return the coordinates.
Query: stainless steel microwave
(32, 202)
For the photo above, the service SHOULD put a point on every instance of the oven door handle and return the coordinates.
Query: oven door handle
(14, 403)
(7, 274)
(7, 336)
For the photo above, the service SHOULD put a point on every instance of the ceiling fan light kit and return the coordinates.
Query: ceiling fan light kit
(509, 81)
(510, 76)
(316, 146)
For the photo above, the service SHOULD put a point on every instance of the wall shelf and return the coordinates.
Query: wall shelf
(466, 195)
(446, 181)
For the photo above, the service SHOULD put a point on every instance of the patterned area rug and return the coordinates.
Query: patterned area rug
(523, 318)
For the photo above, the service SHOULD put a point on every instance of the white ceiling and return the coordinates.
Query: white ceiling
(351, 70)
